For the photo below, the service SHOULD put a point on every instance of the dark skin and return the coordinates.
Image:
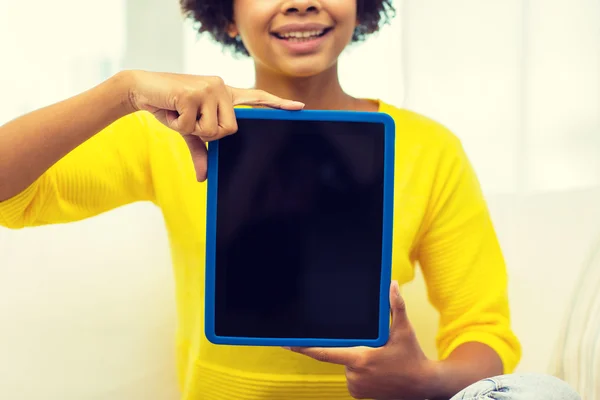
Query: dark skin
(383, 373)
(321, 92)
(460, 366)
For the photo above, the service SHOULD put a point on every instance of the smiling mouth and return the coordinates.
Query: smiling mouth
(303, 36)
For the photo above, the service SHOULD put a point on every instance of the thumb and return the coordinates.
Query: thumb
(254, 97)
(199, 155)
(398, 309)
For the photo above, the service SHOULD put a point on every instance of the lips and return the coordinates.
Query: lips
(301, 32)
(301, 35)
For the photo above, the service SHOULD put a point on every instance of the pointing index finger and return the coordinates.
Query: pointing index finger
(255, 97)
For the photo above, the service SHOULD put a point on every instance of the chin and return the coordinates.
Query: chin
(302, 73)
(305, 68)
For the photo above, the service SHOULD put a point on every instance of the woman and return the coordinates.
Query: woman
(117, 144)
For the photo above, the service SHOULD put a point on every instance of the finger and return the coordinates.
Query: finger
(165, 117)
(185, 123)
(227, 120)
(199, 155)
(341, 356)
(254, 97)
(398, 308)
(207, 126)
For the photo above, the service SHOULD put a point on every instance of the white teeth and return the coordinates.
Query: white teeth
(301, 35)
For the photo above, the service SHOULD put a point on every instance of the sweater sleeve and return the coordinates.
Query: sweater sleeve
(462, 263)
(109, 170)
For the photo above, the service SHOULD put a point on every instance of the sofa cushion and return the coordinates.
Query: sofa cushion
(577, 355)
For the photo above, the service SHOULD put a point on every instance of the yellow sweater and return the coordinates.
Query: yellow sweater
(440, 221)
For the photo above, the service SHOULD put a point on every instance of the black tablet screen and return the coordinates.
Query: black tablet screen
(299, 230)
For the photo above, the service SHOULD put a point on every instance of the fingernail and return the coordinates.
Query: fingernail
(396, 286)
(286, 348)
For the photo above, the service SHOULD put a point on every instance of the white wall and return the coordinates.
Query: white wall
(517, 80)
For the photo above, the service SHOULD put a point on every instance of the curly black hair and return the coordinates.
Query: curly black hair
(214, 16)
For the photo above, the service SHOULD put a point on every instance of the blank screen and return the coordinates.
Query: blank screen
(299, 230)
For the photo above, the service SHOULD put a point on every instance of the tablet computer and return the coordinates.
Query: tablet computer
(299, 229)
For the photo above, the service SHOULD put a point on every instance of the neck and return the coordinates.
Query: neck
(319, 92)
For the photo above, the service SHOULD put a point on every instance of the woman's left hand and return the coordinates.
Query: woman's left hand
(398, 370)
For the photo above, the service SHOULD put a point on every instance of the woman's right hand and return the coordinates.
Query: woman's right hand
(200, 108)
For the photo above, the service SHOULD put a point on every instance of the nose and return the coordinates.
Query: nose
(301, 7)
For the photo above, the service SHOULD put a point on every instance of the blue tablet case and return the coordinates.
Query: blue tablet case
(220, 322)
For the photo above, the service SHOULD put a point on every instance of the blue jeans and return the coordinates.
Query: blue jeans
(519, 387)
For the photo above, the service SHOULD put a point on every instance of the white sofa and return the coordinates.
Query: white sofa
(87, 310)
